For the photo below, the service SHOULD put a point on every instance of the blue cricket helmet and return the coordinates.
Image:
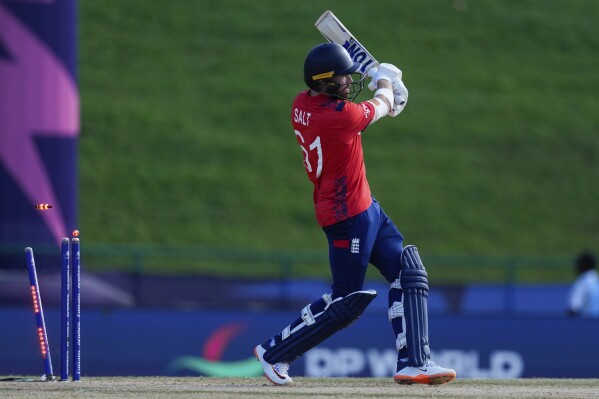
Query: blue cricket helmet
(327, 60)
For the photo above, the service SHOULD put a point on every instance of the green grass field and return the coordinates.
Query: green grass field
(186, 138)
(203, 388)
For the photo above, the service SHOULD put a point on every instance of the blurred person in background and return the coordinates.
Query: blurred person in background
(584, 296)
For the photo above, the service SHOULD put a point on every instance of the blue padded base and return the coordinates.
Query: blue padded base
(338, 315)
(414, 283)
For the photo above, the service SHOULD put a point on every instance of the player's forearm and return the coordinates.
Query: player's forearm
(381, 100)
(379, 94)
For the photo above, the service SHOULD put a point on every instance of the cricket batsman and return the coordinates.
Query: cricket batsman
(328, 127)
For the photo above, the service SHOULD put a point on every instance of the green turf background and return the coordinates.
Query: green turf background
(186, 137)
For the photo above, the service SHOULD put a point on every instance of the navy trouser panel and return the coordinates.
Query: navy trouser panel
(369, 237)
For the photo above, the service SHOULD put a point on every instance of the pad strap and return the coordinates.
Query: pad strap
(307, 316)
(396, 311)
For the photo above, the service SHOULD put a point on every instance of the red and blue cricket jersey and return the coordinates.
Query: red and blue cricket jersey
(328, 131)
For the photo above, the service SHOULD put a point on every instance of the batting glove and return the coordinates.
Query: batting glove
(400, 97)
(383, 72)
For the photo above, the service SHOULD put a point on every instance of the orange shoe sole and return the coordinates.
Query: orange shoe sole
(435, 379)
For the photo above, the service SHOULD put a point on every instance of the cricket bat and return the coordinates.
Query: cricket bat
(334, 31)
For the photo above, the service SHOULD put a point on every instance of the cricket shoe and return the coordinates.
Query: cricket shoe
(429, 373)
(275, 373)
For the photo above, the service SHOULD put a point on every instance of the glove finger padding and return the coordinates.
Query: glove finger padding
(388, 72)
(400, 98)
(396, 110)
(399, 89)
(371, 73)
(385, 72)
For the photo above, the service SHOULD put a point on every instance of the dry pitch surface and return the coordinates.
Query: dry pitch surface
(258, 388)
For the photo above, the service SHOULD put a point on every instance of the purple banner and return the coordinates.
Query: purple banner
(39, 121)
(220, 343)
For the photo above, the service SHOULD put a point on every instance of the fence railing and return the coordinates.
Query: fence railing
(235, 262)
